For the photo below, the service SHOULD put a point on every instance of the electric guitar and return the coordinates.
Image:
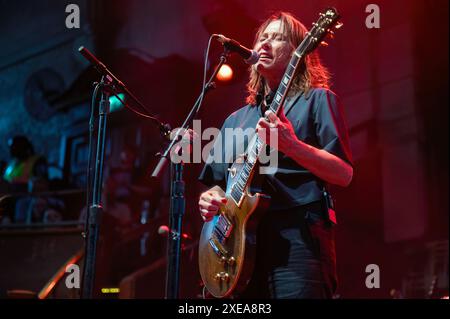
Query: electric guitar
(227, 242)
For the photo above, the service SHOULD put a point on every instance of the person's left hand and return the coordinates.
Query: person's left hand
(283, 135)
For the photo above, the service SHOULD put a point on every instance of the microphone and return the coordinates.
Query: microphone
(101, 67)
(250, 56)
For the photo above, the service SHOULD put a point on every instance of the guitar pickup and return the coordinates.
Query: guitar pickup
(217, 247)
(223, 228)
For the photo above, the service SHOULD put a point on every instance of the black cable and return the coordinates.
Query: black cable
(162, 126)
(132, 109)
(89, 167)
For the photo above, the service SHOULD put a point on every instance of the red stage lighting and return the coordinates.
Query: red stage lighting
(225, 73)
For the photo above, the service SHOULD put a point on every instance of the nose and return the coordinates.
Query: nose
(266, 44)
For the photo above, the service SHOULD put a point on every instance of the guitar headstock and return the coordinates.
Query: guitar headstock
(328, 20)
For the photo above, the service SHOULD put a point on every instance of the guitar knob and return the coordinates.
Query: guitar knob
(223, 259)
(225, 276)
(231, 261)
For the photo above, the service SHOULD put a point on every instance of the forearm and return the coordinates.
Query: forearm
(321, 163)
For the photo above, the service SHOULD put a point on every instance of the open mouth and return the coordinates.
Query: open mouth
(265, 57)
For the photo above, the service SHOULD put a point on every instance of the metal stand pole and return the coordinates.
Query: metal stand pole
(95, 209)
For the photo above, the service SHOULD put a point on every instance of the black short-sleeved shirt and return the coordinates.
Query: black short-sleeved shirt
(317, 119)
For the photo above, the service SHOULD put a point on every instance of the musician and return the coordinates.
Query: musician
(295, 241)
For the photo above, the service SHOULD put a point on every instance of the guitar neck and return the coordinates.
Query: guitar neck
(285, 84)
(257, 145)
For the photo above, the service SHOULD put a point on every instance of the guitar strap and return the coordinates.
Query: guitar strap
(330, 213)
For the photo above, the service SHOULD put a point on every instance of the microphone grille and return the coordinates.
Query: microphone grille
(254, 57)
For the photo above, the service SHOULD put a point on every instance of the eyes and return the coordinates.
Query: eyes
(274, 37)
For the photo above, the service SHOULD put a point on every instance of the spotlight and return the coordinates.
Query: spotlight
(225, 73)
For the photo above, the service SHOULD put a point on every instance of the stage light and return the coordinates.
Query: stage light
(114, 102)
(225, 73)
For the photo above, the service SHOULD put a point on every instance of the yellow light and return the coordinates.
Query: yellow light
(110, 290)
(225, 73)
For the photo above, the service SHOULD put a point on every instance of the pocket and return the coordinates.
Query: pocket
(311, 289)
(313, 218)
(314, 213)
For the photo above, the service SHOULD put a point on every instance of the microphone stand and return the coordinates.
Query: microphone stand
(177, 198)
(95, 208)
(108, 85)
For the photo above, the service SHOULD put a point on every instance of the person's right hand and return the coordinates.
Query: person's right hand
(209, 203)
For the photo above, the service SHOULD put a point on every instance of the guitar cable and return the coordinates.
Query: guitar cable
(203, 292)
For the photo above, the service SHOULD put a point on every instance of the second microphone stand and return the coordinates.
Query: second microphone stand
(108, 85)
(178, 201)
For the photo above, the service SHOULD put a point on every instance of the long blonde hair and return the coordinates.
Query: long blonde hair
(311, 72)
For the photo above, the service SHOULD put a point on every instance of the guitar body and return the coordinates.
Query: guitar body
(226, 263)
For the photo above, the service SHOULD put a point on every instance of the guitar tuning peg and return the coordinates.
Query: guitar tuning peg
(338, 25)
(324, 44)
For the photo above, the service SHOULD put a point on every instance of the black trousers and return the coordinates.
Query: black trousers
(295, 255)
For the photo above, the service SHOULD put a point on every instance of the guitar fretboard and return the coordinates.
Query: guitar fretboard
(256, 144)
